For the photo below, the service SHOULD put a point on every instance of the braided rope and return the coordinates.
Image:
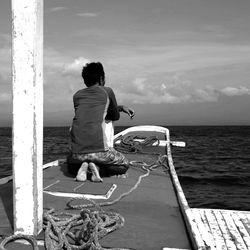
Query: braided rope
(129, 144)
(15, 237)
(77, 232)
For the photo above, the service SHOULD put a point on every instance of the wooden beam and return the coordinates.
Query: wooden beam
(27, 81)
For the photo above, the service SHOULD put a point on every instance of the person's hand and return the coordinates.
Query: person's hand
(130, 112)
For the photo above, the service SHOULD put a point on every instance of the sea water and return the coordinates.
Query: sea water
(213, 168)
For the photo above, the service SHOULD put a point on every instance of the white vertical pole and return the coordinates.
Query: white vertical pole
(27, 81)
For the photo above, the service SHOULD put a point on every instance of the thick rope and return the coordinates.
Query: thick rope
(67, 231)
(128, 144)
(15, 237)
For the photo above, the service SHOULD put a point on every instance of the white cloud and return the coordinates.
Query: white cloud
(212, 94)
(138, 86)
(144, 90)
(74, 68)
(168, 98)
(206, 94)
(58, 89)
(88, 14)
(151, 98)
(5, 39)
(53, 59)
(177, 74)
(233, 91)
(155, 76)
(177, 58)
(59, 8)
(5, 63)
(58, 65)
(5, 97)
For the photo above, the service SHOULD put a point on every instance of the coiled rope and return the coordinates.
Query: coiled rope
(78, 232)
(74, 232)
(134, 144)
(15, 237)
(67, 231)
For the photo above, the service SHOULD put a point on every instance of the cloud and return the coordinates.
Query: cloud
(74, 68)
(131, 83)
(185, 57)
(206, 94)
(62, 78)
(56, 9)
(5, 97)
(139, 86)
(5, 63)
(173, 88)
(88, 14)
(212, 94)
(234, 91)
(218, 31)
(149, 74)
(54, 59)
(144, 90)
(5, 39)
(177, 73)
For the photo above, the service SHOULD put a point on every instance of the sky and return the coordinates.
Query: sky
(175, 62)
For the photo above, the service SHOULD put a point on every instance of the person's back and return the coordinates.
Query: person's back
(88, 128)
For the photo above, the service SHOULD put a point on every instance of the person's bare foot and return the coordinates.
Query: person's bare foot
(95, 172)
(82, 172)
(123, 176)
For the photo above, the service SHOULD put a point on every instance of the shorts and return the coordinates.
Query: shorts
(110, 162)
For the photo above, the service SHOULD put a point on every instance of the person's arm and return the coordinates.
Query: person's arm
(113, 113)
(114, 108)
(130, 112)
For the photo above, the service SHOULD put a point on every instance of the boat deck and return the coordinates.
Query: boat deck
(152, 215)
(151, 212)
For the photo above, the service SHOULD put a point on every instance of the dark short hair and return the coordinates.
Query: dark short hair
(93, 73)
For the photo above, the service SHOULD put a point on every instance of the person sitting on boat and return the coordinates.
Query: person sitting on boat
(94, 106)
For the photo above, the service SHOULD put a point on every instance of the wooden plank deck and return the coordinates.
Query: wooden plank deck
(223, 229)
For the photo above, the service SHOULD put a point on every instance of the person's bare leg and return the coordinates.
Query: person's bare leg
(82, 172)
(95, 172)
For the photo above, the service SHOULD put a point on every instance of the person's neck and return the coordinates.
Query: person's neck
(95, 85)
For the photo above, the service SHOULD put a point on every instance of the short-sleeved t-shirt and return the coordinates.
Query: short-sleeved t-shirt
(93, 105)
